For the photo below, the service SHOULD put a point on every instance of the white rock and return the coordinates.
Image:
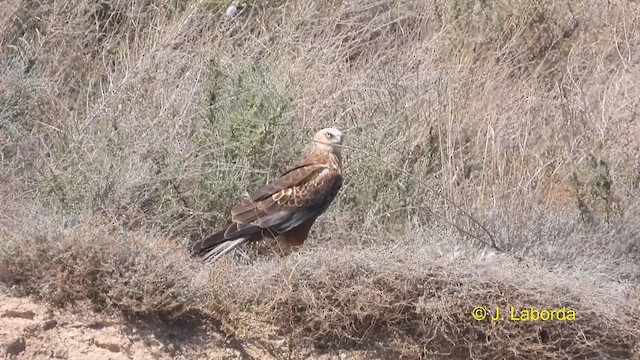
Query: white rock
(232, 11)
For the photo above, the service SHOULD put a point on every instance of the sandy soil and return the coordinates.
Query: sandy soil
(30, 330)
(33, 330)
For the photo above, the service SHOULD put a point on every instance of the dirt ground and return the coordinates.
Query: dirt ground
(33, 330)
(30, 330)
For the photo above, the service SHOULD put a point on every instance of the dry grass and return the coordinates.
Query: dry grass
(138, 274)
(412, 303)
(127, 128)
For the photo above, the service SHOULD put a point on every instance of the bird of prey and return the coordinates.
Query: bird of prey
(286, 208)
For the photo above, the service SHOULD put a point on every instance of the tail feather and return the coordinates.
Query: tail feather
(218, 251)
(216, 245)
(205, 245)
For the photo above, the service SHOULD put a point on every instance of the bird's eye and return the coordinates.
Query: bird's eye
(329, 135)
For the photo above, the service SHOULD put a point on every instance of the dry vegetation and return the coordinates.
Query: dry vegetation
(127, 129)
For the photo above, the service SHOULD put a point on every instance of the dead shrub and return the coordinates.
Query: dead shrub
(411, 304)
(133, 273)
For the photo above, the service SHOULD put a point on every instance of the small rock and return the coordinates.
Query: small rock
(22, 314)
(99, 324)
(233, 10)
(16, 346)
(49, 324)
(109, 342)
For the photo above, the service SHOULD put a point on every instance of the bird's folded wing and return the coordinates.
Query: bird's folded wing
(275, 203)
(291, 178)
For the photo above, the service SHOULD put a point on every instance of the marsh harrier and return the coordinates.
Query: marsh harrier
(286, 208)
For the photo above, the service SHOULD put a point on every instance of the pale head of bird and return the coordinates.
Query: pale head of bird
(329, 140)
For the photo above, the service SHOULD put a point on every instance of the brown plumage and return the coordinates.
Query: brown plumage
(287, 207)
